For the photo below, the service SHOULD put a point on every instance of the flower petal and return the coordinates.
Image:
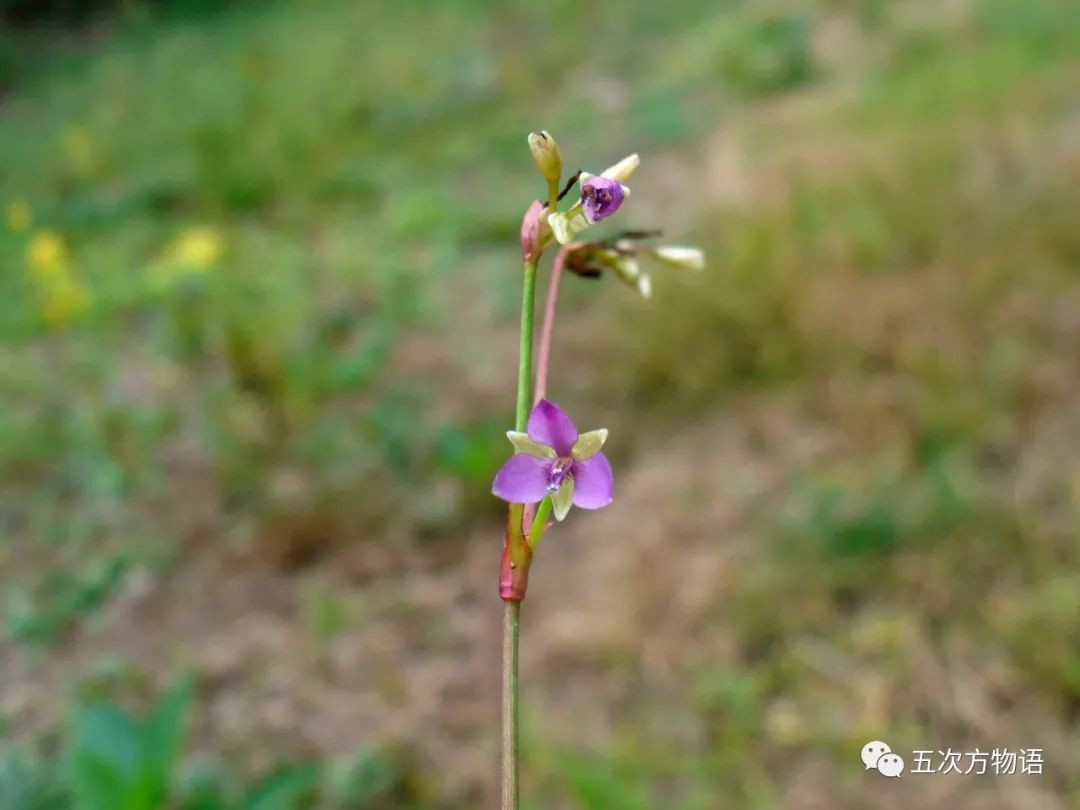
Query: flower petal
(686, 258)
(624, 168)
(523, 444)
(563, 498)
(644, 285)
(522, 479)
(626, 267)
(549, 424)
(567, 225)
(589, 444)
(593, 482)
(601, 197)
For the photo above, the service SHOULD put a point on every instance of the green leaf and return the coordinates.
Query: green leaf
(104, 762)
(285, 788)
(162, 740)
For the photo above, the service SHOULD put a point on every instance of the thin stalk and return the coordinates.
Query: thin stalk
(544, 351)
(512, 608)
(528, 300)
(511, 631)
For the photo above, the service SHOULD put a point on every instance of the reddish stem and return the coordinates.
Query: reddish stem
(552, 300)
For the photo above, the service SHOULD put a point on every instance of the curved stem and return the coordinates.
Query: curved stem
(550, 303)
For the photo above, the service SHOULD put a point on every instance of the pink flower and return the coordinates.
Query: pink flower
(553, 459)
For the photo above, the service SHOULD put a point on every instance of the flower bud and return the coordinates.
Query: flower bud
(546, 153)
(531, 227)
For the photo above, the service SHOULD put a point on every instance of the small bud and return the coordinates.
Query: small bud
(546, 153)
(531, 226)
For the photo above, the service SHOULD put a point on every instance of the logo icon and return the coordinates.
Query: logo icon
(878, 756)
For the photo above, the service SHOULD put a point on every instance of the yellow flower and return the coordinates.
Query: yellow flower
(199, 247)
(46, 253)
(19, 216)
(192, 253)
(63, 295)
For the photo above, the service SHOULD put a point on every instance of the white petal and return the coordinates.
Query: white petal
(560, 226)
(622, 170)
(644, 285)
(687, 258)
(626, 268)
(567, 226)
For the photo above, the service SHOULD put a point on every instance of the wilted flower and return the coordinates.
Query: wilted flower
(628, 270)
(626, 266)
(553, 459)
(621, 256)
(600, 198)
(685, 258)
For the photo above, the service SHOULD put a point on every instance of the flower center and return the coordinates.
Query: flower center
(559, 471)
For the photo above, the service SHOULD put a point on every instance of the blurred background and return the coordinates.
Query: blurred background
(259, 323)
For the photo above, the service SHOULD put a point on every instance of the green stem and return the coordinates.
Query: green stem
(511, 631)
(512, 608)
(528, 299)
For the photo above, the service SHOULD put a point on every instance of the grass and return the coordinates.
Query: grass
(285, 244)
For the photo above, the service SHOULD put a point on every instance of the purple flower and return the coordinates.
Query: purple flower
(602, 197)
(554, 459)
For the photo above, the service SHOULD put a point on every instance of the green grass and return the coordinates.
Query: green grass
(347, 183)
(899, 274)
